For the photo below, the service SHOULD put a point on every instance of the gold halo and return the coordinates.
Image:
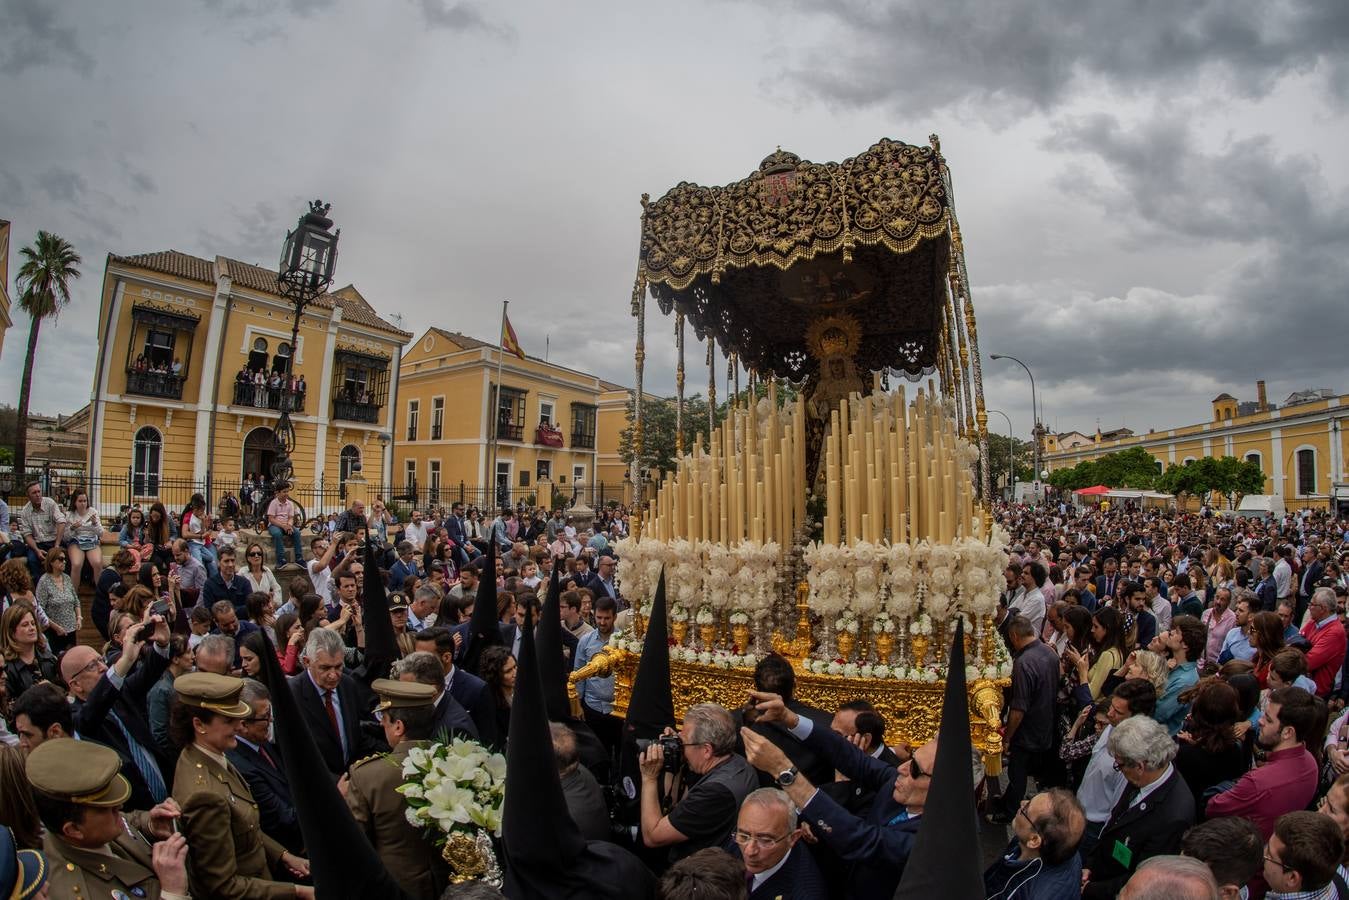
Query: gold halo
(833, 335)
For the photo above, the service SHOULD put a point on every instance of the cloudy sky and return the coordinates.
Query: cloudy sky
(1154, 195)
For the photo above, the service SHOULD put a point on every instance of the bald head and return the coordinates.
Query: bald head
(81, 668)
(1171, 878)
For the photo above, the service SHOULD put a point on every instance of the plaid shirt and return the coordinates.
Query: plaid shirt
(40, 524)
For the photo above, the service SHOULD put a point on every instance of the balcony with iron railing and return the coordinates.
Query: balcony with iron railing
(510, 431)
(263, 397)
(583, 440)
(164, 385)
(356, 411)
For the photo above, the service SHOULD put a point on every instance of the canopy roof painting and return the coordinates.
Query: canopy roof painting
(754, 262)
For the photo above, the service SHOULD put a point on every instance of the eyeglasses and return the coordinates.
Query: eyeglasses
(266, 718)
(255, 556)
(1021, 811)
(58, 559)
(93, 665)
(1282, 865)
(915, 770)
(744, 839)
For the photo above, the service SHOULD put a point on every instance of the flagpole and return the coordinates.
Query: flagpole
(496, 413)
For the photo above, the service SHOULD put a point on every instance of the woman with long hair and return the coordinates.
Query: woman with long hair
(160, 532)
(17, 809)
(261, 609)
(259, 575)
(16, 583)
(289, 634)
(84, 535)
(57, 598)
(134, 537)
(1267, 639)
(1107, 642)
(1209, 751)
(182, 657)
(27, 659)
(497, 668)
(151, 577)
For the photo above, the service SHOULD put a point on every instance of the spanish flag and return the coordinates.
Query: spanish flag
(509, 342)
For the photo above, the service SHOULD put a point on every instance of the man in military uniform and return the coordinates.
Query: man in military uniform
(408, 715)
(91, 849)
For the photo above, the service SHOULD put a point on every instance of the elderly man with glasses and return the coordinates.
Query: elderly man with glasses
(874, 847)
(1325, 634)
(1152, 814)
(766, 836)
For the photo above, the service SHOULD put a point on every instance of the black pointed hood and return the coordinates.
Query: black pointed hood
(341, 859)
(545, 856)
(946, 859)
(651, 708)
(484, 628)
(548, 637)
(381, 646)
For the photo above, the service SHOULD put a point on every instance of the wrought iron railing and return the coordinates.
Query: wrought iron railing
(164, 385)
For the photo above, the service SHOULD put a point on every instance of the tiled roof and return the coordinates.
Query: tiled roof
(472, 343)
(254, 278)
(172, 262)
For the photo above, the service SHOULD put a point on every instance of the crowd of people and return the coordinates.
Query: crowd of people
(266, 389)
(1176, 714)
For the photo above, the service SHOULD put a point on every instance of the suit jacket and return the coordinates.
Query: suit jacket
(1147, 628)
(799, 878)
(873, 848)
(1152, 828)
(130, 703)
(229, 856)
(1311, 575)
(1101, 582)
(381, 811)
(812, 763)
(856, 797)
(353, 710)
(235, 592)
(1268, 592)
(271, 791)
(473, 695)
(453, 719)
(76, 872)
(454, 526)
(569, 642)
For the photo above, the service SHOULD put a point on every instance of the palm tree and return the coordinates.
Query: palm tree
(43, 283)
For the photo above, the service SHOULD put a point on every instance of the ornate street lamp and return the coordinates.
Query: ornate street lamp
(306, 271)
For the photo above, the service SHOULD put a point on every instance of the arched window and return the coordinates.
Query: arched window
(349, 457)
(259, 453)
(281, 360)
(1254, 457)
(257, 359)
(145, 460)
(1306, 472)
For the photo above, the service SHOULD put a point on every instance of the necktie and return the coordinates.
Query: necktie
(901, 816)
(749, 883)
(332, 715)
(142, 760)
(262, 751)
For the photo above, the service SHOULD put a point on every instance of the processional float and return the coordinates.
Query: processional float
(844, 528)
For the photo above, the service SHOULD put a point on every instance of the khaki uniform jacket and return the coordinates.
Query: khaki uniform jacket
(82, 874)
(380, 810)
(229, 857)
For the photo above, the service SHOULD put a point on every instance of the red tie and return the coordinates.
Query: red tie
(332, 714)
(262, 751)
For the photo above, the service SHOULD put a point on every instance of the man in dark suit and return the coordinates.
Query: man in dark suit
(766, 838)
(1137, 600)
(1312, 570)
(110, 707)
(332, 705)
(875, 847)
(1108, 582)
(510, 632)
(859, 722)
(1266, 588)
(774, 675)
(1151, 816)
(450, 716)
(467, 689)
(259, 761)
(227, 584)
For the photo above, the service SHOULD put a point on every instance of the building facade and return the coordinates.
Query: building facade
(554, 427)
(170, 403)
(1300, 446)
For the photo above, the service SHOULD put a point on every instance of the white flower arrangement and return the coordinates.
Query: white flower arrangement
(880, 670)
(739, 618)
(704, 616)
(679, 613)
(850, 670)
(921, 626)
(883, 624)
(847, 622)
(720, 584)
(456, 791)
(867, 583)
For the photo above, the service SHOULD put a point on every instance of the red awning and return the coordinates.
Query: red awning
(1093, 491)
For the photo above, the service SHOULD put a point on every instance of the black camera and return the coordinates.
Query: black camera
(672, 751)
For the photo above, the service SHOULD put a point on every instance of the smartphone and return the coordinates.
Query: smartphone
(160, 608)
(173, 568)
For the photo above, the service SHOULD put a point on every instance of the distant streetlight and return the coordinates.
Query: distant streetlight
(1034, 412)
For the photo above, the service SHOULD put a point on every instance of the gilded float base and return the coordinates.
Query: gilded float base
(912, 710)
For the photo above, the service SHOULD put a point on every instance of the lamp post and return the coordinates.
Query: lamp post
(1011, 463)
(1034, 414)
(307, 261)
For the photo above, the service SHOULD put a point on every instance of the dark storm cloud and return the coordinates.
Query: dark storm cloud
(462, 16)
(62, 185)
(254, 234)
(31, 35)
(1291, 269)
(140, 181)
(1014, 58)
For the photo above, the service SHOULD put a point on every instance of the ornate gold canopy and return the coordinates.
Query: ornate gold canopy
(754, 262)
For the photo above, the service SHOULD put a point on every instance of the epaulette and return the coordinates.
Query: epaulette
(360, 762)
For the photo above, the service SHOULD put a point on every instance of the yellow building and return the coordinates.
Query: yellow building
(168, 411)
(5, 318)
(554, 426)
(1300, 446)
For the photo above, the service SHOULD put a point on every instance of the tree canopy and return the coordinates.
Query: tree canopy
(1227, 476)
(1133, 468)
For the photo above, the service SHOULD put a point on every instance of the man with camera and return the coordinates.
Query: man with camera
(706, 814)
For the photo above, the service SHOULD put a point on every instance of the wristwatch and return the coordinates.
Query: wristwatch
(786, 778)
